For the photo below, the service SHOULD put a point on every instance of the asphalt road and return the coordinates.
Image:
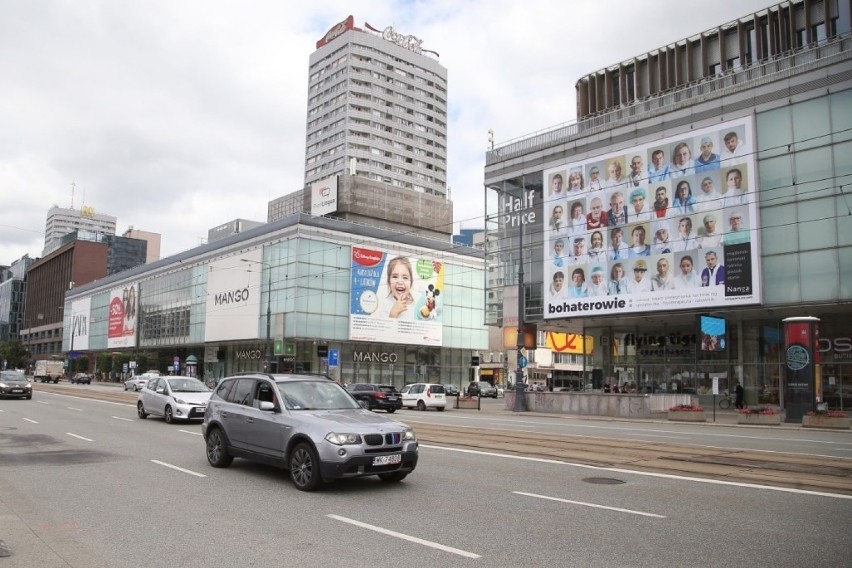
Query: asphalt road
(86, 483)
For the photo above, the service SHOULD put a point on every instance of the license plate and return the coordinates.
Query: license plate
(15, 391)
(387, 460)
(391, 398)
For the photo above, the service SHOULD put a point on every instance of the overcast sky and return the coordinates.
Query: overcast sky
(179, 115)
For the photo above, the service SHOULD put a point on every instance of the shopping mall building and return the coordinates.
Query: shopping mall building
(701, 197)
(305, 293)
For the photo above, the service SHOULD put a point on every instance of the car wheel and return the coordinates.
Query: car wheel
(394, 477)
(439, 408)
(217, 449)
(169, 415)
(421, 406)
(304, 468)
(136, 388)
(141, 410)
(125, 387)
(29, 397)
(369, 404)
(391, 410)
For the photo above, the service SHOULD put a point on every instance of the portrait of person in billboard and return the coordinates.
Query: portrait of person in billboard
(557, 186)
(399, 300)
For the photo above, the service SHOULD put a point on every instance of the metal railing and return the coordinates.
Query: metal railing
(832, 51)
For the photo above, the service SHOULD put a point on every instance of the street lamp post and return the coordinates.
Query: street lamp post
(520, 391)
(268, 311)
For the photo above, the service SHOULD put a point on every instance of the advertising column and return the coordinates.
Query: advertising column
(801, 363)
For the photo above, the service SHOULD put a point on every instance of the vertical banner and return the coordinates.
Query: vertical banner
(801, 360)
(121, 330)
(396, 298)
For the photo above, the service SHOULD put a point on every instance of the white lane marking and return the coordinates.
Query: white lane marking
(120, 418)
(41, 402)
(643, 473)
(77, 409)
(179, 468)
(188, 432)
(80, 437)
(28, 420)
(584, 504)
(88, 399)
(402, 536)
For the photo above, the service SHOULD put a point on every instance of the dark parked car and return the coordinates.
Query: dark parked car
(15, 384)
(451, 390)
(481, 388)
(308, 424)
(81, 378)
(376, 397)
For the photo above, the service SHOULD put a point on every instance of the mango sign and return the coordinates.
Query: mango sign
(570, 343)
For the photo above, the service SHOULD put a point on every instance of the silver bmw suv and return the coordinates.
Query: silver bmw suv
(307, 424)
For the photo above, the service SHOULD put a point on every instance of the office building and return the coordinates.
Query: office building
(61, 221)
(708, 179)
(376, 143)
(153, 239)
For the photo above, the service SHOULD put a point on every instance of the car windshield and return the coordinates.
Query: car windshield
(12, 376)
(436, 389)
(388, 389)
(315, 395)
(187, 385)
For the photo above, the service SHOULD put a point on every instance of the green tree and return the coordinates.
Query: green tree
(14, 354)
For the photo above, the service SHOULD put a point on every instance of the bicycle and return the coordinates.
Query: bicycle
(726, 401)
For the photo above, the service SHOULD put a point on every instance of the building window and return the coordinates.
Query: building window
(715, 69)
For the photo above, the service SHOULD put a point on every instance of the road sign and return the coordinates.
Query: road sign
(333, 357)
(522, 362)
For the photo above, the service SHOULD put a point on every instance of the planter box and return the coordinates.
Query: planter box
(687, 416)
(462, 402)
(837, 423)
(761, 419)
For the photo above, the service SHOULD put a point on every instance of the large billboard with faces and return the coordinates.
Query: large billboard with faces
(662, 226)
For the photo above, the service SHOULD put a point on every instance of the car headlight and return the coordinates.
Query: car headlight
(408, 436)
(29, 385)
(180, 400)
(2, 385)
(339, 439)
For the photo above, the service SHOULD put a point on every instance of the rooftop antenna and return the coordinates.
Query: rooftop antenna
(72, 194)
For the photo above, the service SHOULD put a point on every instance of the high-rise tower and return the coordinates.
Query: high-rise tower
(377, 106)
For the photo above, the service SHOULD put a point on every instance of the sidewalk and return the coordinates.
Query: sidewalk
(719, 418)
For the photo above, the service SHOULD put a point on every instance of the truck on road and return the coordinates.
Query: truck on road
(48, 371)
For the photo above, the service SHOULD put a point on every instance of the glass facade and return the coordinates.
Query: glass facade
(304, 283)
(804, 160)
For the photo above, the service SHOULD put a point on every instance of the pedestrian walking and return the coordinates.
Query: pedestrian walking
(738, 402)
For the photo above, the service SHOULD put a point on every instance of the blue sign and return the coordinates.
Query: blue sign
(333, 355)
(522, 362)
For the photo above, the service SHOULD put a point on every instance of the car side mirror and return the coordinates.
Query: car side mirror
(266, 405)
(161, 391)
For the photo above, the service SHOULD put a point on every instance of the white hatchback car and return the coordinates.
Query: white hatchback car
(173, 398)
(138, 382)
(424, 395)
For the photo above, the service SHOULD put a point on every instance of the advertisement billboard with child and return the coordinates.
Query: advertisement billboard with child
(396, 298)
